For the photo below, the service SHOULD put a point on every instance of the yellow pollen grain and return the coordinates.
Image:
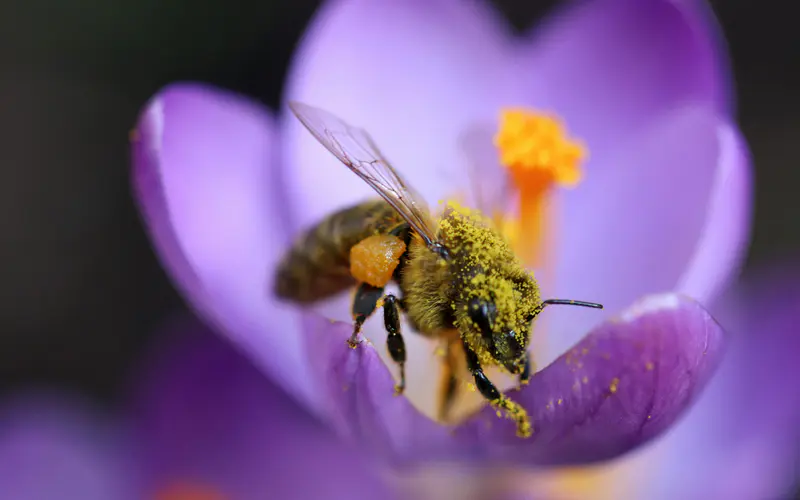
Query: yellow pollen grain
(649, 366)
(538, 154)
(614, 385)
(560, 400)
(517, 413)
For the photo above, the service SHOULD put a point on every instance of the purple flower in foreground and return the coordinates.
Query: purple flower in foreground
(53, 446)
(740, 441)
(664, 206)
(203, 424)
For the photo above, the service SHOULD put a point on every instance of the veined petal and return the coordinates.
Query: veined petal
(414, 74)
(642, 225)
(204, 174)
(740, 441)
(56, 446)
(622, 385)
(610, 66)
(208, 421)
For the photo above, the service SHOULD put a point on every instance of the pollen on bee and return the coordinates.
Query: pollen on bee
(374, 259)
(517, 413)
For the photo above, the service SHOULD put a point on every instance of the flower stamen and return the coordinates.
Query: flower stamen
(535, 149)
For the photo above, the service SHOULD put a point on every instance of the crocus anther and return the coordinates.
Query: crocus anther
(538, 155)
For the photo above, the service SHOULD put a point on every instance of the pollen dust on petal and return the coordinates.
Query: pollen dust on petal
(189, 490)
(535, 149)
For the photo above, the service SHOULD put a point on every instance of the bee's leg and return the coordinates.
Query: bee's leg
(364, 304)
(525, 376)
(394, 341)
(498, 400)
(482, 382)
(449, 382)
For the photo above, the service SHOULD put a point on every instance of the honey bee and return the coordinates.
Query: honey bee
(459, 279)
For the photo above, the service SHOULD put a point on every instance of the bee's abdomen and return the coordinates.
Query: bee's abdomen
(318, 264)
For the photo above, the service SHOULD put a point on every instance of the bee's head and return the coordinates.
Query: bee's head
(503, 335)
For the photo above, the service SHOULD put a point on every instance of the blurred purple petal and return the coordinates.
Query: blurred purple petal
(414, 74)
(741, 440)
(611, 66)
(724, 242)
(620, 386)
(205, 179)
(54, 447)
(207, 418)
(635, 228)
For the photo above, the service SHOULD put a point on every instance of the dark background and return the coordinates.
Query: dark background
(80, 288)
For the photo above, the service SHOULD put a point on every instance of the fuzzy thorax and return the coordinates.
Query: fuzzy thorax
(484, 267)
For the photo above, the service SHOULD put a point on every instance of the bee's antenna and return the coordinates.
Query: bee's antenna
(568, 302)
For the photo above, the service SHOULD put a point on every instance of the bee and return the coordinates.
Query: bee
(459, 279)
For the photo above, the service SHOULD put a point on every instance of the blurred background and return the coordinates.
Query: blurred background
(81, 290)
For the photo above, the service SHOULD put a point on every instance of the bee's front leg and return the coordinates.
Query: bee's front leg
(489, 391)
(482, 382)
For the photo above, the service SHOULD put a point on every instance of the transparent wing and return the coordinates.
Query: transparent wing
(491, 190)
(355, 148)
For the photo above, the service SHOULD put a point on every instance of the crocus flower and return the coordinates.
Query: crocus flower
(57, 446)
(200, 423)
(740, 441)
(660, 205)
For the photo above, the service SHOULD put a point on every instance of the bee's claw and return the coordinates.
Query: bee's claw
(353, 342)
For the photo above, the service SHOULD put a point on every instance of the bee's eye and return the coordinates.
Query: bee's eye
(482, 313)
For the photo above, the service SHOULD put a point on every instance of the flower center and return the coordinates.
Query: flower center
(536, 151)
(188, 491)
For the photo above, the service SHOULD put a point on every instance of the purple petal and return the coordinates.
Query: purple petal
(204, 174)
(54, 446)
(724, 241)
(207, 418)
(740, 441)
(648, 224)
(414, 74)
(657, 355)
(611, 66)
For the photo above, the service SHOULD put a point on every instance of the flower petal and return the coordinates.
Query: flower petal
(205, 179)
(56, 446)
(740, 441)
(209, 421)
(610, 66)
(657, 356)
(724, 241)
(641, 226)
(413, 74)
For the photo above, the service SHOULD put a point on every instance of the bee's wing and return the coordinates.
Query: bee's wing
(491, 190)
(355, 148)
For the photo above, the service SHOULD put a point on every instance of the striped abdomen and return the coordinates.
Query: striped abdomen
(318, 264)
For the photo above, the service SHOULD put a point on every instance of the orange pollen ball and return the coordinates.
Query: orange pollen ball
(374, 259)
(538, 155)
